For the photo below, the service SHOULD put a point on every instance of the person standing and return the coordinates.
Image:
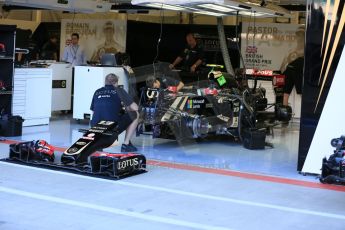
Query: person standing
(49, 50)
(73, 53)
(191, 57)
(190, 60)
(293, 65)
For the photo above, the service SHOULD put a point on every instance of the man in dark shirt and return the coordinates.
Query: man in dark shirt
(191, 57)
(173, 84)
(107, 105)
(49, 50)
(293, 77)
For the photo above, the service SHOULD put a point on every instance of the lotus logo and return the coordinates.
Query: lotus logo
(81, 143)
(72, 150)
(128, 163)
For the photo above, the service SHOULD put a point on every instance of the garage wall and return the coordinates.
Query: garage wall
(325, 41)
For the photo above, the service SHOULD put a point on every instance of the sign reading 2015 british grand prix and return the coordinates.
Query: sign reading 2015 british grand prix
(271, 46)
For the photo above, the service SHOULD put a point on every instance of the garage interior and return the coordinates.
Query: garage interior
(203, 183)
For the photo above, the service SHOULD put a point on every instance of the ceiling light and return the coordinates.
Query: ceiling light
(209, 13)
(165, 6)
(217, 7)
(243, 13)
(253, 3)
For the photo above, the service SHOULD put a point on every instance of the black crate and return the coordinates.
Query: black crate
(11, 126)
(254, 138)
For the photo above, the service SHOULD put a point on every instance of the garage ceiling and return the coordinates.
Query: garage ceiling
(89, 6)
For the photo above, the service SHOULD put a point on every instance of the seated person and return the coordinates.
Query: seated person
(164, 83)
(107, 105)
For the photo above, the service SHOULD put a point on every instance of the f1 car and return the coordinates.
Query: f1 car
(82, 157)
(223, 105)
(333, 168)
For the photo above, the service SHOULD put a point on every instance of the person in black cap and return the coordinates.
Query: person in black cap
(107, 103)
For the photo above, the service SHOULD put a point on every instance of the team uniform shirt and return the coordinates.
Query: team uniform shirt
(167, 81)
(294, 76)
(74, 55)
(107, 104)
(48, 51)
(191, 55)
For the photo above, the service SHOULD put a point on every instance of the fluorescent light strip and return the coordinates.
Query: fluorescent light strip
(210, 13)
(165, 6)
(217, 8)
(256, 14)
(253, 3)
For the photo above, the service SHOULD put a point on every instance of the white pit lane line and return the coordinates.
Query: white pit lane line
(190, 194)
(110, 210)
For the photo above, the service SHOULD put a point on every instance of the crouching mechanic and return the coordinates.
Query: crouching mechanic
(171, 84)
(107, 105)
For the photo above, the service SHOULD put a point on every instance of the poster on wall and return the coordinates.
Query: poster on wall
(271, 46)
(96, 37)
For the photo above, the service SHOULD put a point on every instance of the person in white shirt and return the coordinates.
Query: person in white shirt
(73, 53)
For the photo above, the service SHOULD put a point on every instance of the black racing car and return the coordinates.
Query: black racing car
(222, 105)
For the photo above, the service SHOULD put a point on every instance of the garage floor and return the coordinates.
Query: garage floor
(195, 186)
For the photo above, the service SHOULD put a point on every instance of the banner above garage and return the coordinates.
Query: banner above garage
(96, 36)
(271, 46)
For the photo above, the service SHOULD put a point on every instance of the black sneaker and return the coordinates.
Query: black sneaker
(128, 148)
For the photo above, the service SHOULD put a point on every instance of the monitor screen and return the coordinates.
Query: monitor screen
(108, 59)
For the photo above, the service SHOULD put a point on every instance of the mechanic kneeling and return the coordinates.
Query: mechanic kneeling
(107, 105)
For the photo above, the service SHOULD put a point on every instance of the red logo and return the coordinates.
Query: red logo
(251, 49)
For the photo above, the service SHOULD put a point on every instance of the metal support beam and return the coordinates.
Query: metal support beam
(36, 16)
(224, 47)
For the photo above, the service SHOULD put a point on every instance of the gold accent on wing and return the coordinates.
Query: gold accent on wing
(328, 4)
(336, 42)
(330, 33)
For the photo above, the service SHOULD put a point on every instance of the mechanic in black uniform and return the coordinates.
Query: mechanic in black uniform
(293, 77)
(50, 49)
(191, 58)
(107, 105)
(164, 83)
(292, 66)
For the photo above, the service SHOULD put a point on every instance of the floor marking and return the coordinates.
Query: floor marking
(232, 173)
(116, 211)
(191, 194)
(251, 176)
